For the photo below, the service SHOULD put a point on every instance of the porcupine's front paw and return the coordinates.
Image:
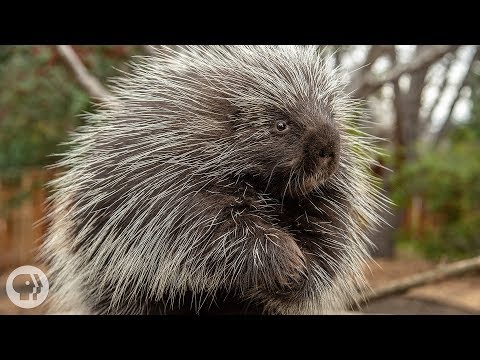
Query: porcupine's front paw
(259, 256)
(278, 264)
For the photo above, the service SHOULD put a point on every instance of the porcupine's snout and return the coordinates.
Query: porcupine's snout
(321, 150)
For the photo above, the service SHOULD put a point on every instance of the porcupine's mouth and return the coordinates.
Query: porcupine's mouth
(305, 183)
(315, 173)
(295, 184)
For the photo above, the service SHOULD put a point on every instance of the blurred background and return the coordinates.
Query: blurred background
(423, 100)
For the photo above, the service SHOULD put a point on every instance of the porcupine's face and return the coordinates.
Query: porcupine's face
(306, 151)
(295, 150)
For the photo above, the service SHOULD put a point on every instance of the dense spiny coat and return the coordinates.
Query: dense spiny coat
(212, 174)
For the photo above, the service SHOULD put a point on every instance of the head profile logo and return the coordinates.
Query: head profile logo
(27, 286)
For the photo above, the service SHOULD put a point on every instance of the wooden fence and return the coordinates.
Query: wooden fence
(22, 206)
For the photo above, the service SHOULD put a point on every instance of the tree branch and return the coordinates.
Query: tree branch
(441, 90)
(372, 83)
(89, 82)
(373, 54)
(440, 273)
(448, 120)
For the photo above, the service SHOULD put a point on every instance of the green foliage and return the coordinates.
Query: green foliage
(40, 102)
(447, 181)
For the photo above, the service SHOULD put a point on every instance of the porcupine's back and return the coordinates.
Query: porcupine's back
(125, 215)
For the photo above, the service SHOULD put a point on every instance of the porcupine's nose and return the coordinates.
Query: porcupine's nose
(322, 146)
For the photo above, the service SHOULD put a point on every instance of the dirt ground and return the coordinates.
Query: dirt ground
(454, 296)
(460, 295)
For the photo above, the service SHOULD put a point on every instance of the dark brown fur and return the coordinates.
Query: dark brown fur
(288, 227)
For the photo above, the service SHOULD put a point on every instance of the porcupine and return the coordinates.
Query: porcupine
(219, 178)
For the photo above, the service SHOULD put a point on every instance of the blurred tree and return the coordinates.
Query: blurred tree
(40, 103)
(445, 180)
(398, 81)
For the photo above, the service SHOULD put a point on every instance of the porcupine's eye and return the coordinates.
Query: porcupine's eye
(281, 126)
